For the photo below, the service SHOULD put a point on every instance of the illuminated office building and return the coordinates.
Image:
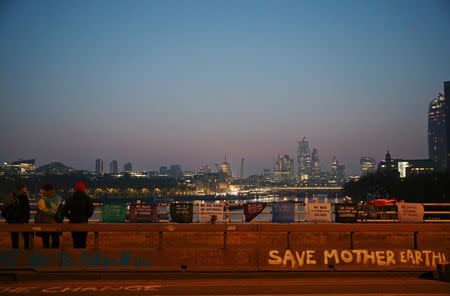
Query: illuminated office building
(283, 170)
(303, 159)
(447, 112)
(437, 132)
(368, 165)
(315, 162)
(20, 166)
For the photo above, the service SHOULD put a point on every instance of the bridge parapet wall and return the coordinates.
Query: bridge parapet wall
(234, 247)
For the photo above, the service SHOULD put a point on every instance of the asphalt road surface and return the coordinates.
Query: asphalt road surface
(279, 283)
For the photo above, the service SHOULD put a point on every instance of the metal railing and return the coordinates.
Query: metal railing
(229, 214)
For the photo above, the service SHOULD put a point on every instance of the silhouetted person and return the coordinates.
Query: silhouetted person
(79, 208)
(16, 210)
(48, 213)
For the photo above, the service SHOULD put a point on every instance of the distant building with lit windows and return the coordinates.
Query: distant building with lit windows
(315, 162)
(283, 170)
(368, 165)
(303, 159)
(20, 166)
(437, 132)
(406, 167)
(447, 112)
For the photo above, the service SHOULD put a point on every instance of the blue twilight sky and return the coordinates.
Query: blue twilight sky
(163, 82)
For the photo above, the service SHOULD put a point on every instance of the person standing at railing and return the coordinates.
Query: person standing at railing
(49, 212)
(16, 210)
(79, 208)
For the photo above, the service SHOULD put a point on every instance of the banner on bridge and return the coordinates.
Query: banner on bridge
(181, 212)
(318, 212)
(346, 212)
(114, 212)
(207, 210)
(283, 212)
(410, 212)
(252, 210)
(141, 213)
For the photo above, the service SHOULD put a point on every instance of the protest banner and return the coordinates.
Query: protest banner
(410, 212)
(283, 212)
(114, 212)
(346, 212)
(142, 213)
(207, 210)
(181, 212)
(318, 212)
(252, 210)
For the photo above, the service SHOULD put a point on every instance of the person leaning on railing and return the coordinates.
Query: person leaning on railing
(79, 208)
(16, 210)
(49, 212)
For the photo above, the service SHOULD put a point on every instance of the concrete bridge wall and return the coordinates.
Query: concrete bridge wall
(234, 247)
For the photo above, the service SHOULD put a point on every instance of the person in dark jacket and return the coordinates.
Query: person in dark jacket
(16, 210)
(79, 208)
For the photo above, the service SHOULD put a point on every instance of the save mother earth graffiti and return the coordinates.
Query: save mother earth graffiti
(297, 259)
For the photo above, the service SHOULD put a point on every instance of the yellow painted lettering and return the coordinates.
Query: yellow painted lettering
(288, 257)
(427, 257)
(402, 257)
(438, 256)
(380, 257)
(301, 258)
(309, 257)
(346, 256)
(390, 257)
(410, 256)
(328, 255)
(275, 258)
(368, 257)
(418, 256)
(358, 255)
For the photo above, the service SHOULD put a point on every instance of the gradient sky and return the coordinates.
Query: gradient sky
(163, 82)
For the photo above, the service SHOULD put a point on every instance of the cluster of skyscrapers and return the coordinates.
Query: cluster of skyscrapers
(307, 169)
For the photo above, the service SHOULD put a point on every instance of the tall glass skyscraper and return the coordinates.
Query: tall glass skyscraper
(437, 132)
(447, 113)
(303, 159)
(315, 162)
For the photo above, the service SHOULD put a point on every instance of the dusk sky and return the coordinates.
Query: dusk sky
(186, 82)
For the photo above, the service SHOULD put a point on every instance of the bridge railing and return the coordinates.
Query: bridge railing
(233, 213)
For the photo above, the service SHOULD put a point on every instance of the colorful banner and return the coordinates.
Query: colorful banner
(114, 213)
(410, 212)
(283, 212)
(346, 212)
(252, 210)
(207, 210)
(181, 212)
(318, 212)
(141, 213)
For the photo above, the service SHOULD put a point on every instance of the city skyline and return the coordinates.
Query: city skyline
(174, 83)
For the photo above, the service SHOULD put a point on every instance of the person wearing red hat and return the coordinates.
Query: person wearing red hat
(79, 208)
